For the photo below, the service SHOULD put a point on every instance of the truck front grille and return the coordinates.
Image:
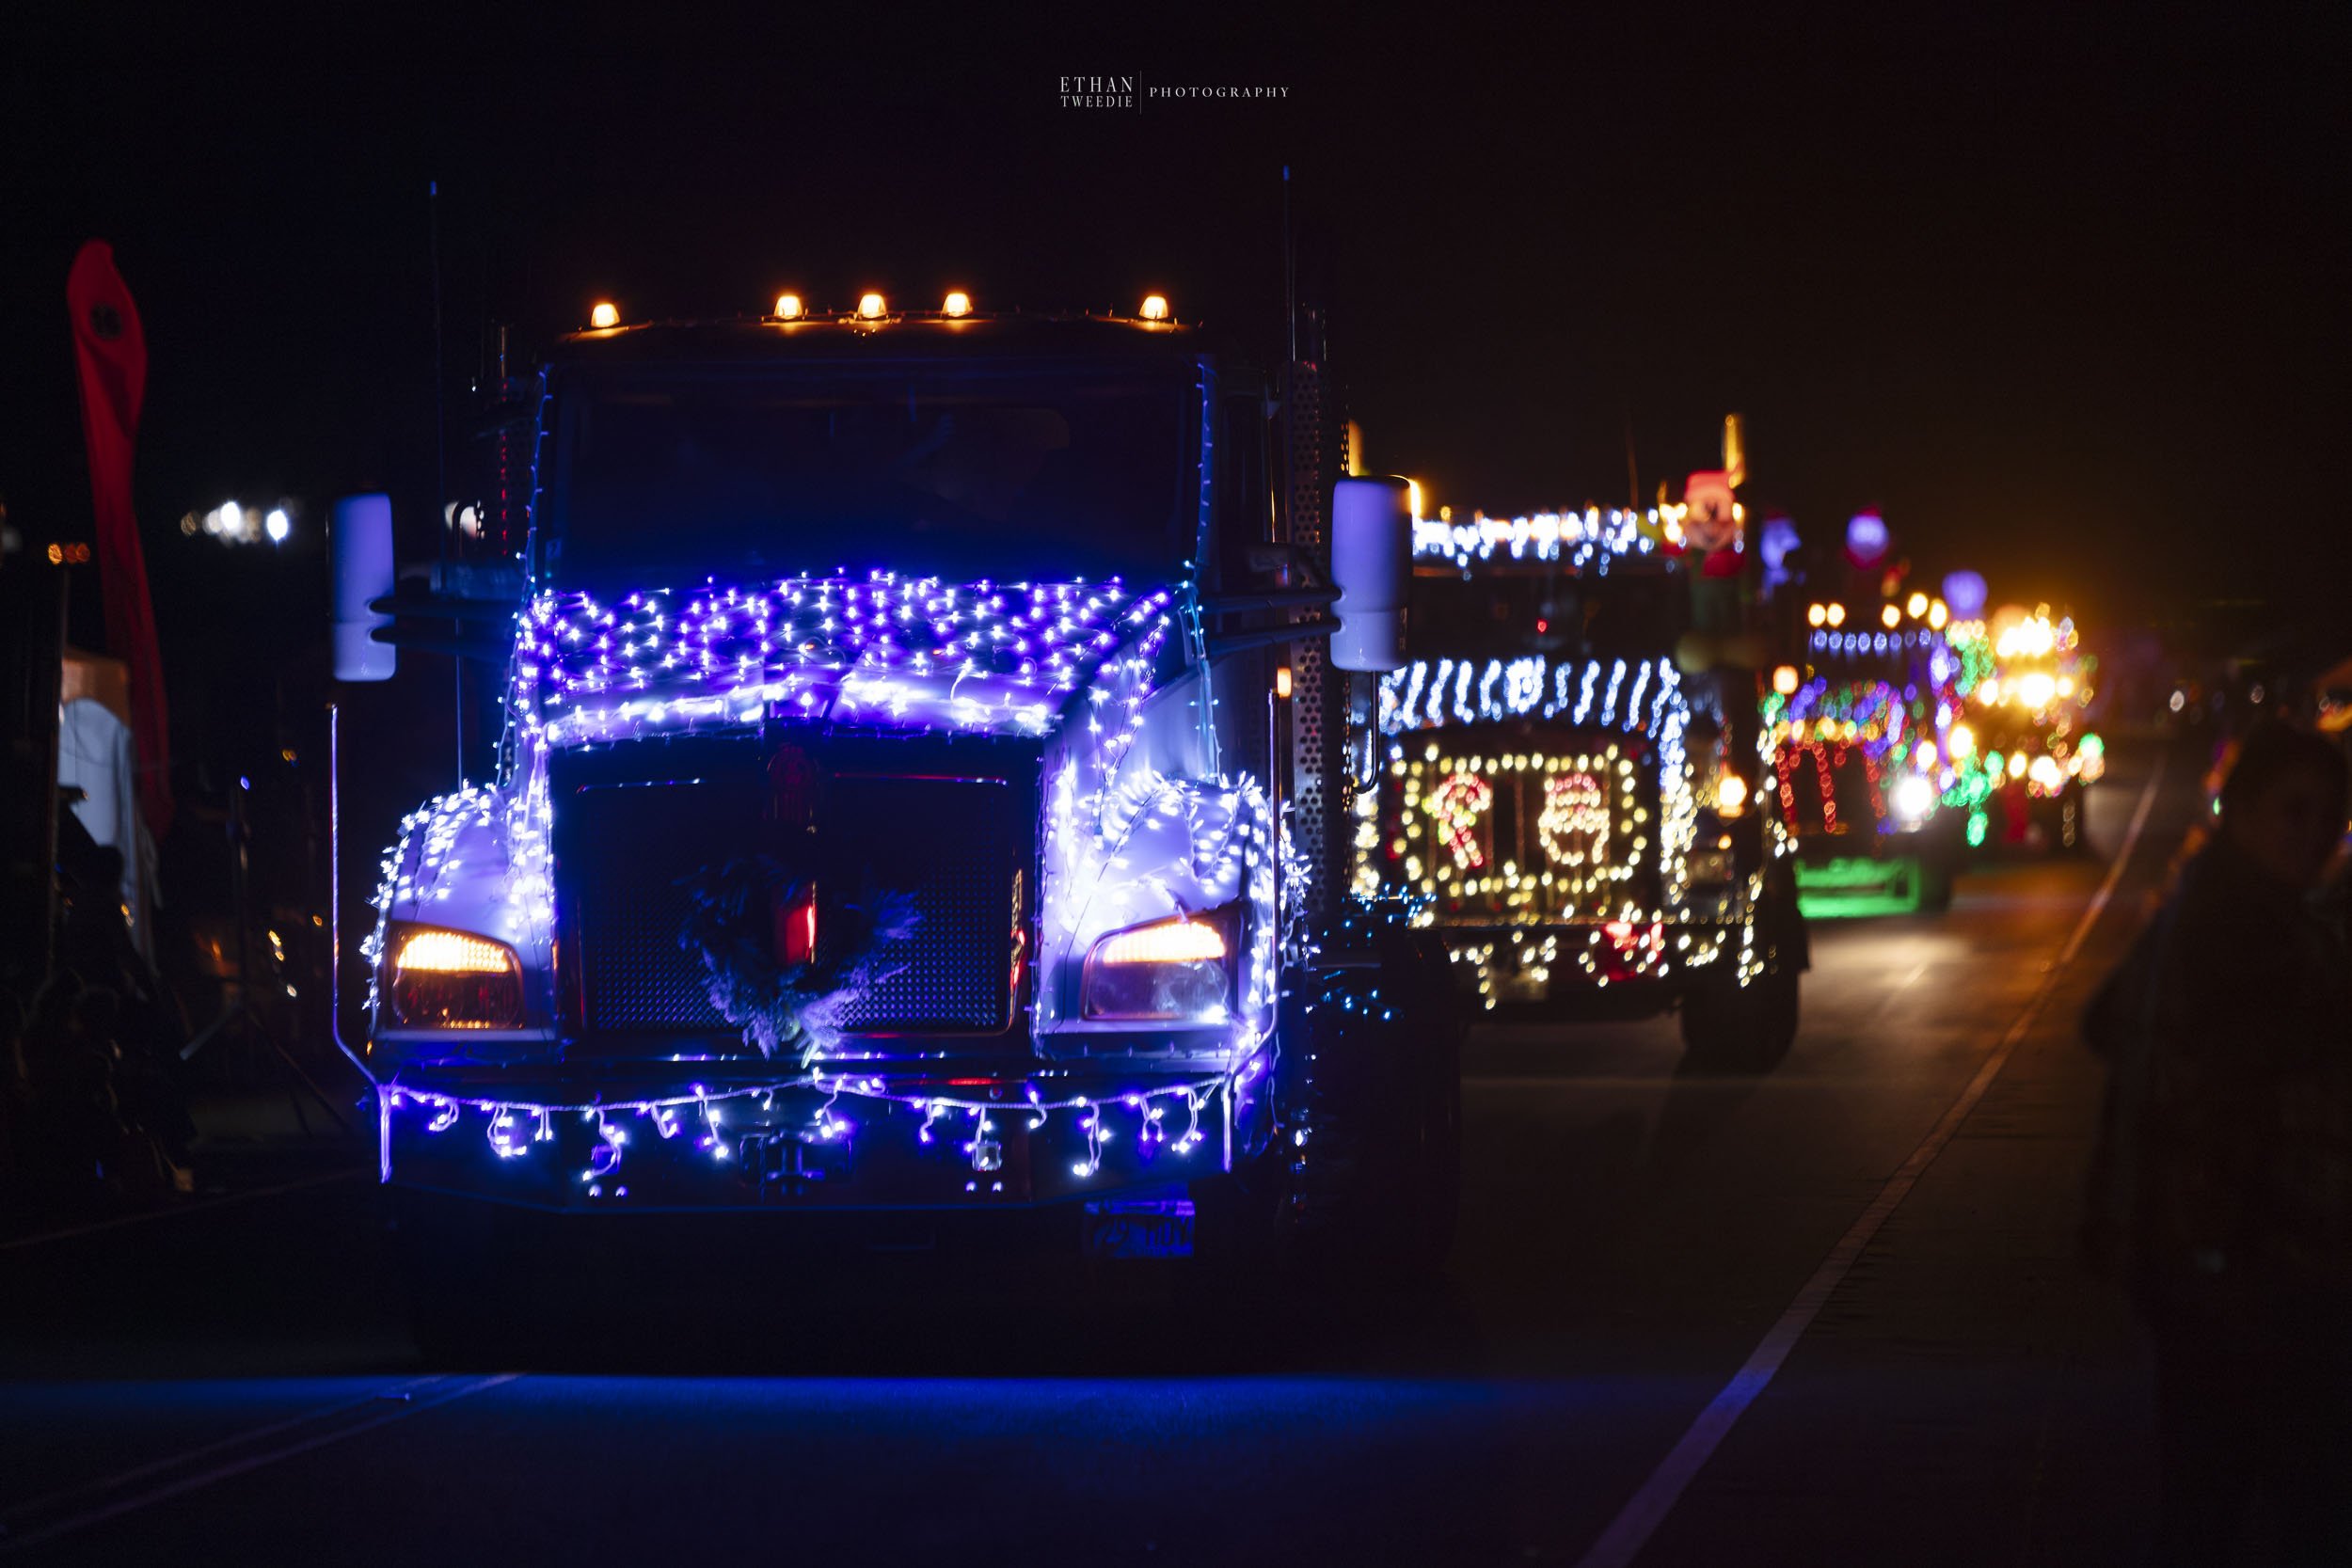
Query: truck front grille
(1828, 787)
(622, 863)
(947, 846)
(1522, 827)
(636, 824)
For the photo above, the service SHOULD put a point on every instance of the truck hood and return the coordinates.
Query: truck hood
(1638, 695)
(884, 652)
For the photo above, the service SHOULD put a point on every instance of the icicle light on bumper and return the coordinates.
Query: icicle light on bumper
(443, 979)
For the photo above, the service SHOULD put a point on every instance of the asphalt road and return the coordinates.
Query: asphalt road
(1645, 1349)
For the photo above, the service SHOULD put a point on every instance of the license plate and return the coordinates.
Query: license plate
(792, 1162)
(1143, 1230)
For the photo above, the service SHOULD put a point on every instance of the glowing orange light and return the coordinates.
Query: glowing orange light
(1171, 942)
(451, 953)
(1155, 308)
(604, 314)
(958, 304)
(871, 307)
(788, 307)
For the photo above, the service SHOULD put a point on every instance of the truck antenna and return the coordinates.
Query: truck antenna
(444, 524)
(1290, 269)
(1632, 471)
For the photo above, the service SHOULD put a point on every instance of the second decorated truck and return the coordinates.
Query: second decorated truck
(1569, 777)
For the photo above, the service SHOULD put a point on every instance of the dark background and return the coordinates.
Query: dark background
(2064, 296)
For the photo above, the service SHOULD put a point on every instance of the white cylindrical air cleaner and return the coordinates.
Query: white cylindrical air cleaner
(1372, 562)
(360, 554)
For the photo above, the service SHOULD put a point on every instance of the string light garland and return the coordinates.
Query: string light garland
(1635, 696)
(984, 657)
(514, 1128)
(1577, 538)
(478, 851)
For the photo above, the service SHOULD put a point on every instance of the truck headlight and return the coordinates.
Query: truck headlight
(1914, 798)
(1175, 969)
(443, 979)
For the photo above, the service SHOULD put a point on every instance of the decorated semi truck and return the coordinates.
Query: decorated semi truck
(930, 741)
(2026, 682)
(1869, 748)
(1568, 776)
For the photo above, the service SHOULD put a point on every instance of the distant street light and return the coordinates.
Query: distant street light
(234, 523)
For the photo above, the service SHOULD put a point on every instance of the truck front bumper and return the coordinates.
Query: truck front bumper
(1638, 966)
(864, 1141)
(1842, 874)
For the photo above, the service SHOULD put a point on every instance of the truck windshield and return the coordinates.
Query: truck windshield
(1500, 615)
(932, 470)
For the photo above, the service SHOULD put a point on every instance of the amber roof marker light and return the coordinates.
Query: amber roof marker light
(604, 314)
(788, 307)
(871, 306)
(958, 303)
(1155, 308)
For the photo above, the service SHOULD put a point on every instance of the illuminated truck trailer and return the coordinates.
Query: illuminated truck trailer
(1574, 813)
(927, 757)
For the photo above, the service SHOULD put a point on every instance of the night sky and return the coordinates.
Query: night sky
(2065, 298)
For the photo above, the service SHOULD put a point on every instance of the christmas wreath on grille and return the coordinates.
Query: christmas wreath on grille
(785, 1009)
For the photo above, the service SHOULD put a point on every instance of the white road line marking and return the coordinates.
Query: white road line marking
(1649, 1081)
(178, 1210)
(253, 1434)
(1631, 1531)
(240, 1467)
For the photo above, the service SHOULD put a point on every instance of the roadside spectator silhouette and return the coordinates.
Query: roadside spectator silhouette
(2221, 1190)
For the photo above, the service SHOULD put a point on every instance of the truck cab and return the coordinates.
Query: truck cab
(904, 806)
(1573, 811)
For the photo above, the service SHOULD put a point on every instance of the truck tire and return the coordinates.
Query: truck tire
(1733, 1028)
(1936, 884)
(1379, 1181)
(1742, 1028)
(1363, 1176)
(464, 1270)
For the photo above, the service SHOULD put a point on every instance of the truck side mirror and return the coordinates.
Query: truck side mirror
(360, 556)
(1372, 564)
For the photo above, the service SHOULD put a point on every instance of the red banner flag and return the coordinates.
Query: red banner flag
(112, 352)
